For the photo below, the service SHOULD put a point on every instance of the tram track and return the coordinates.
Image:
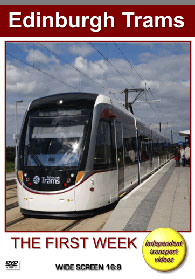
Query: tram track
(12, 205)
(71, 226)
(9, 189)
(15, 221)
(22, 218)
(20, 223)
(8, 198)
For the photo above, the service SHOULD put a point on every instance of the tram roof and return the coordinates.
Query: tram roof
(93, 98)
(65, 97)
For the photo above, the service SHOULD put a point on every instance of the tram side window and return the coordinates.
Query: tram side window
(146, 148)
(105, 152)
(156, 148)
(129, 142)
(27, 142)
(129, 151)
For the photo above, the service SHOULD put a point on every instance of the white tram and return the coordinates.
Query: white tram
(79, 152)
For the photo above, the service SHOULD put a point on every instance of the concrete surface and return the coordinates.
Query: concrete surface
(163, 200)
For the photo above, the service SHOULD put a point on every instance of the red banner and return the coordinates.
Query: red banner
(97, 21)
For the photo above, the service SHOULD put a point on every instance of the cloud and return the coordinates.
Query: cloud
(168, 77)
(35, 56)
(92, 68)
(81, 49)
(18, 80)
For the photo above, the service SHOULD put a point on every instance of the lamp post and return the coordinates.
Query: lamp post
(16, 137)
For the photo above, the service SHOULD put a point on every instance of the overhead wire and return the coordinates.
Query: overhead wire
(158, 112)
(138, 74)
(133, 67)
(112, 65)
(57, 79)
(127, 60)
(65, 83)
(40, 70)
(76, 68)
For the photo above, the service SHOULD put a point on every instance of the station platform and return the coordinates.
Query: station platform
(163, 200)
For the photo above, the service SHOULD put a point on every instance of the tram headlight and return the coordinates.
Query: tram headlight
(80, 174)
(20, 176)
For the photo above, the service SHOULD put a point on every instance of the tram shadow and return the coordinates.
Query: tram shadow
(70, 215)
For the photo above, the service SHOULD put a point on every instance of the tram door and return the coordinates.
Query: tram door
(120, 156)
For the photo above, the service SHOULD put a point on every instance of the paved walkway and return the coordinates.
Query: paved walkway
(161, 201)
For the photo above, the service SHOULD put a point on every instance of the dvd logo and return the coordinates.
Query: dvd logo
(36, 179)
(12, 265)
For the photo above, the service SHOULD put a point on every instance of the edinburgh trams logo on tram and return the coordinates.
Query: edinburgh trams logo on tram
(46, 180)
(36, 179)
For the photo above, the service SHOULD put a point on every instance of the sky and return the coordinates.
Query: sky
(37, 69)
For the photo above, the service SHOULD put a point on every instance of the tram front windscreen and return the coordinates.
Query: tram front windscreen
(55, 137)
